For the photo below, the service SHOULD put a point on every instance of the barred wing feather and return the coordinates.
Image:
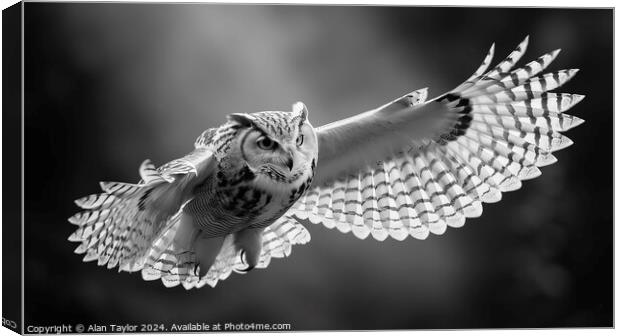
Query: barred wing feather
(118, 226)
(414, 167)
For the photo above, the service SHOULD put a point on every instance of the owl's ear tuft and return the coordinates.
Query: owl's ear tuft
(300, 110)
(242, 119)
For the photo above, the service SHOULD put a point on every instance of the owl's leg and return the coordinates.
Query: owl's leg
(250, 242)
(206, 248)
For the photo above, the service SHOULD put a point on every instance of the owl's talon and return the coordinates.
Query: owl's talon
(247, 269)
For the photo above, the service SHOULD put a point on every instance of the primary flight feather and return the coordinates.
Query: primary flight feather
(411, 167)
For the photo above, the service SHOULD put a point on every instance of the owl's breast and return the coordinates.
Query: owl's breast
(229, 202)
(222, 210)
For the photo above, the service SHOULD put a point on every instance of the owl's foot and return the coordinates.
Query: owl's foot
(249, 242)
(200, 273)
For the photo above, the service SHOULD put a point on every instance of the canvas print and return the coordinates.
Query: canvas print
(220, 167)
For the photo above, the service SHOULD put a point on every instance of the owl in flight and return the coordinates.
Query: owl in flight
(409, 167)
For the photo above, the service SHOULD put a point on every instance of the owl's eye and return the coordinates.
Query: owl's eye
(300, 140)
(265, 143)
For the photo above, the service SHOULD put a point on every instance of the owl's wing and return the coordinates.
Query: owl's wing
(118, 226)
(412, 167)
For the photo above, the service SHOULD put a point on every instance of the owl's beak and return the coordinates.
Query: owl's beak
(289, 161)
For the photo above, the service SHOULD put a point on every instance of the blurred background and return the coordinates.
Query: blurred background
(109, 85)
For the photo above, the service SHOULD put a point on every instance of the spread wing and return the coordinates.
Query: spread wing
(118, 226)
(412, 167)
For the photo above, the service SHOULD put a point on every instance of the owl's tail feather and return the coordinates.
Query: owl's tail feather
(117, 226)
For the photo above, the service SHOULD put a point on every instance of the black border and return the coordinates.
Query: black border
(12, 169)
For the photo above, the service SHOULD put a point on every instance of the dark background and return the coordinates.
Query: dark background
(108, 85)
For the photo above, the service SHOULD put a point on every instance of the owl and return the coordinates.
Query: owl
(408, 168)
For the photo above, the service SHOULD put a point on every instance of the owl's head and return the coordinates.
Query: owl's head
(279, 145)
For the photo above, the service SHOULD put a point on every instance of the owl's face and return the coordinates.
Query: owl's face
(280, 146)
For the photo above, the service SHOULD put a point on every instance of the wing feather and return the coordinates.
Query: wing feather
(414, 167)
(118, 226)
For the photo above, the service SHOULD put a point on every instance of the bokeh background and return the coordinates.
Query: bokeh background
(109, 85)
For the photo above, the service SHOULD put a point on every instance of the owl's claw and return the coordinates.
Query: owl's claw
(247, 269)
